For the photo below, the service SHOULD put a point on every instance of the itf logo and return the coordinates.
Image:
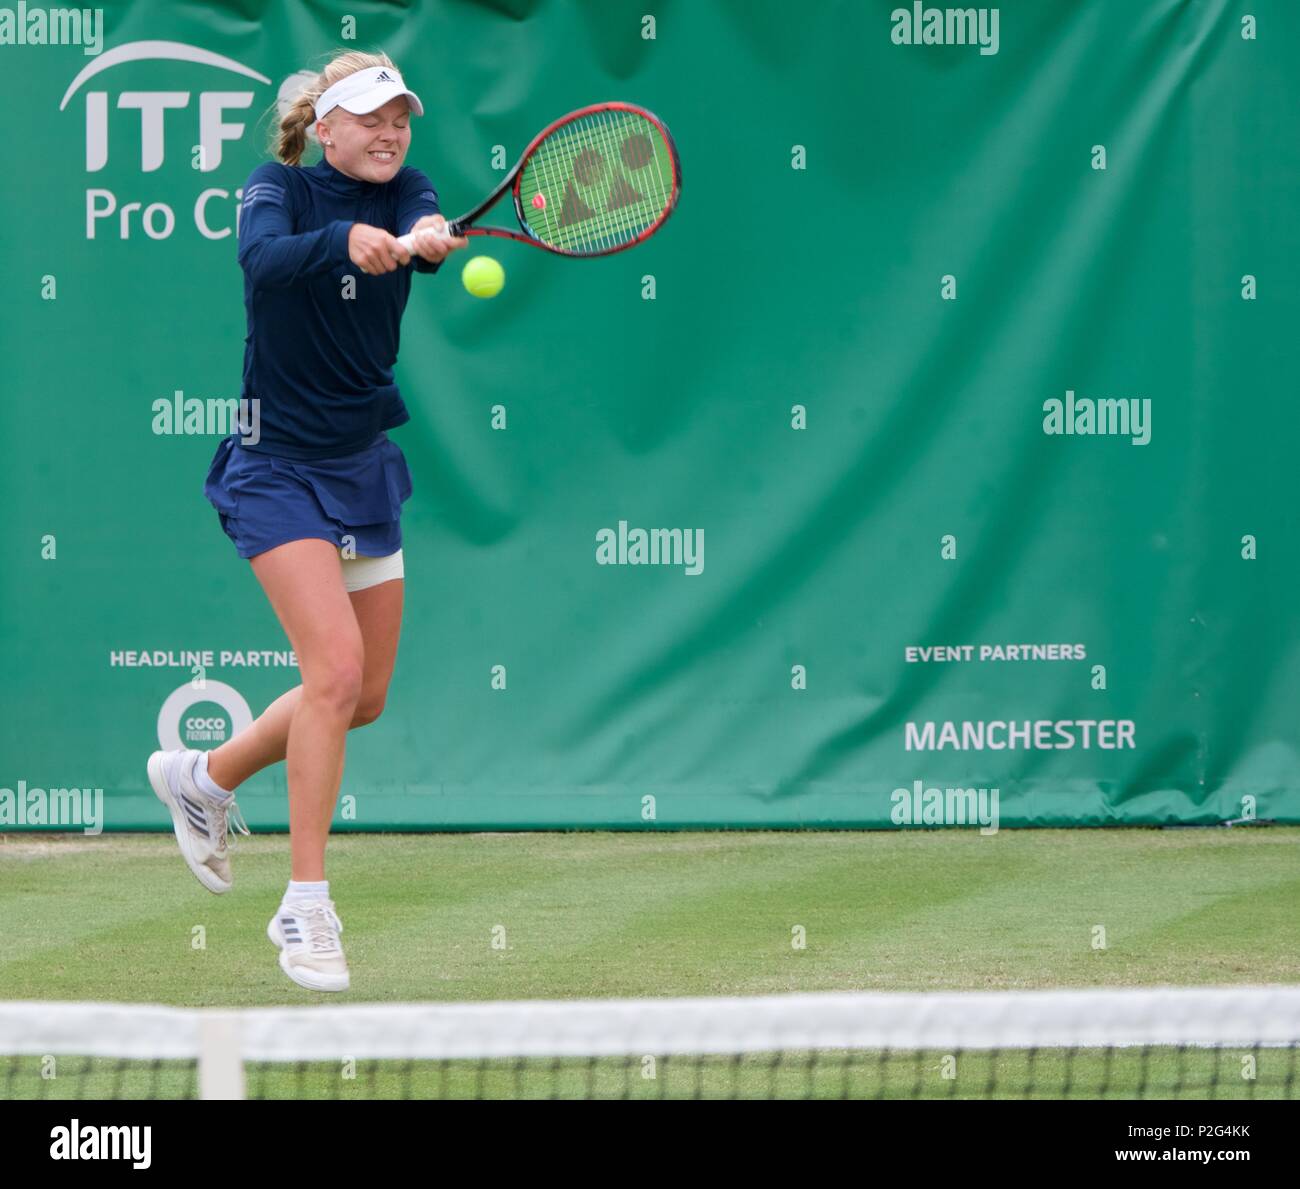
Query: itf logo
(110, 137)
(154, 105)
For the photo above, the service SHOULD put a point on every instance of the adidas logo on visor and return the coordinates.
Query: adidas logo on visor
(383, 77)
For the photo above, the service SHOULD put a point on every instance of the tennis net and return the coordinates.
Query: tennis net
(1159, 1043)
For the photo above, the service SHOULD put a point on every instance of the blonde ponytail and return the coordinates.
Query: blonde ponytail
(289, 142)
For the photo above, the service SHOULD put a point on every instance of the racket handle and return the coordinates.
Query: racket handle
(408, 240)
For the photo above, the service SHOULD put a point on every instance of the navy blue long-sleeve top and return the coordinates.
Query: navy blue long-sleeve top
(320, 351)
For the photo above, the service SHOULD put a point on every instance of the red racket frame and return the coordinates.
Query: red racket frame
(464, 225)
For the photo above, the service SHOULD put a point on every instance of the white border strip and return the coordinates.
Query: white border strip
(140, 1031)
(1227, 1017)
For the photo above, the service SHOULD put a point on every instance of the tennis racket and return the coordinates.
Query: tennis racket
(599, 180)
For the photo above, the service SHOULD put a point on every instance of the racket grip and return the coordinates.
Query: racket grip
(408, 240)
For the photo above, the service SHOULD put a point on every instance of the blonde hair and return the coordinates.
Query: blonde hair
(290, 140)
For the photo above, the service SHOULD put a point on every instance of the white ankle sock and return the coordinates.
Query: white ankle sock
(206, 783)
(308, 891)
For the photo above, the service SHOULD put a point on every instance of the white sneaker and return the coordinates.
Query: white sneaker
(307, 932)
(200, 823)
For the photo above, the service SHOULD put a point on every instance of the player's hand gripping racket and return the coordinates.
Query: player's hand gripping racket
(598, 180)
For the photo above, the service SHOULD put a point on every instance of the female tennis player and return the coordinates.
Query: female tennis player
(315, 502)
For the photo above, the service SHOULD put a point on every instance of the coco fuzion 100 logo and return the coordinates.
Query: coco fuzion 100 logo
(202, 718)
(215, 210)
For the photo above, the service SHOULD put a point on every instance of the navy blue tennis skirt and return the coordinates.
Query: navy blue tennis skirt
(265, 501)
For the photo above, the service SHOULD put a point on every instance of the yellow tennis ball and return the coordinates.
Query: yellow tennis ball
(483, 276)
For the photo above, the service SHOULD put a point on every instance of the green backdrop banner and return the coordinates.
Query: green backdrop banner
(933, 465)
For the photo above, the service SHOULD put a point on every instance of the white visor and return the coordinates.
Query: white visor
(364, 91)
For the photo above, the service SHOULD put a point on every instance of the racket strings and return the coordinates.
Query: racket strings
(598, 182)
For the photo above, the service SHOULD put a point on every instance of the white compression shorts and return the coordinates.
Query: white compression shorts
(362, 572)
